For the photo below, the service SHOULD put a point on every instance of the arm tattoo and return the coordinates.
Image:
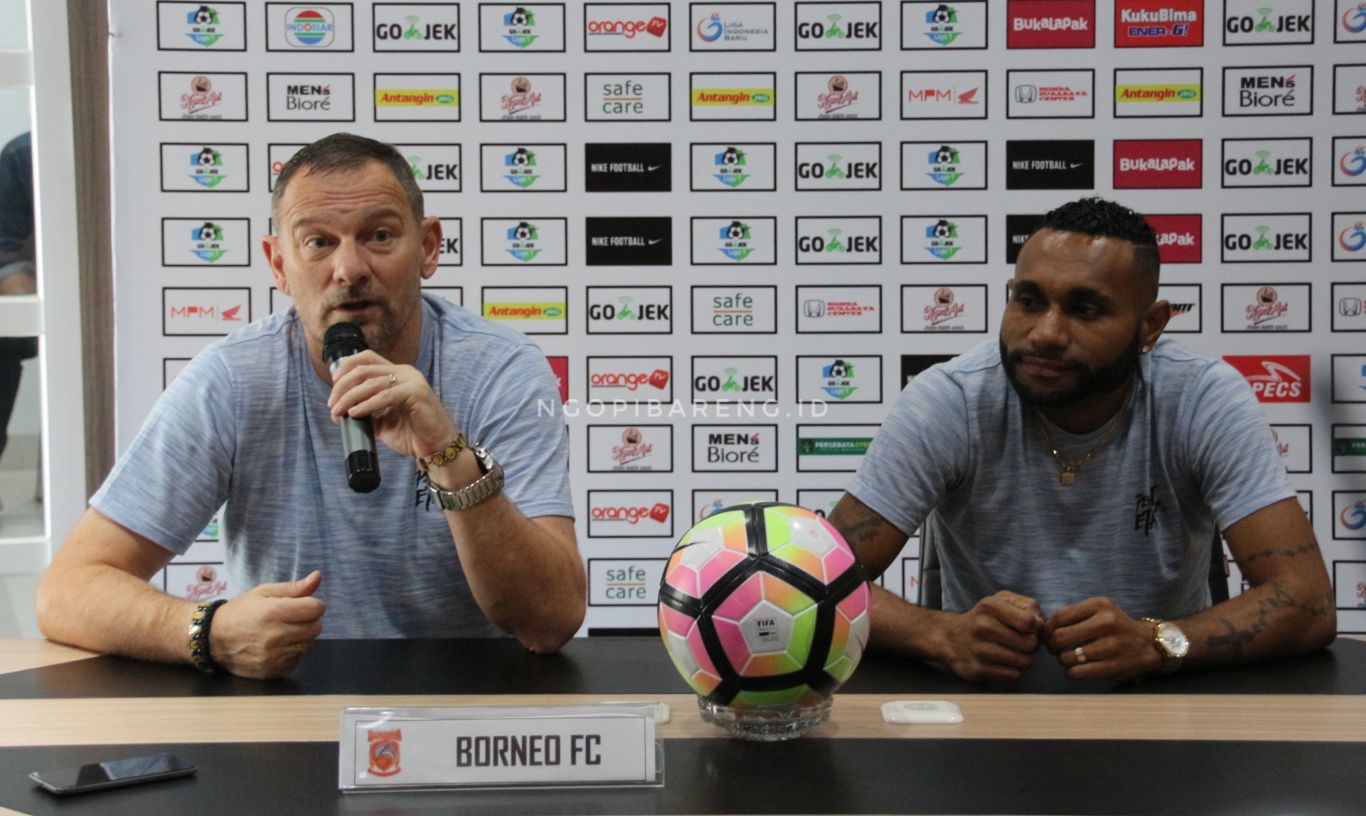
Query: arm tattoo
(1234, 639)
(1284, 552)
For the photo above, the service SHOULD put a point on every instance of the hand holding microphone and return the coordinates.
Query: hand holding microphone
(390, 402)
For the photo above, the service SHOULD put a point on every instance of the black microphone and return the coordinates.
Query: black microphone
(358, 435)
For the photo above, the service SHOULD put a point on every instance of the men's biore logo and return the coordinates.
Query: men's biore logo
(1050, 24)
(1269, 91)
(1159, 23)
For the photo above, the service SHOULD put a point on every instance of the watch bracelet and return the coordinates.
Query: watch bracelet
(201, 621)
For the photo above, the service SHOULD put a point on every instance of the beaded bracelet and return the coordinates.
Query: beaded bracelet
(445, 455)
(200, 622)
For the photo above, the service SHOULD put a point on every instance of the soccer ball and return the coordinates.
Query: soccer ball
(942, 14)
(735, 231)
(523, 231)
(731, 157)
(763, 605)
(942, 229)
(203, 16)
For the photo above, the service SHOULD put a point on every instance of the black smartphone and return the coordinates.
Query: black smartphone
(114, 773)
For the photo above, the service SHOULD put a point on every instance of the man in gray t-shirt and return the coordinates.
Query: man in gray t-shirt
(476, 541)
(1071, 475)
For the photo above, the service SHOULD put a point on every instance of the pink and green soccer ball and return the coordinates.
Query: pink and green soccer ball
(763, 604)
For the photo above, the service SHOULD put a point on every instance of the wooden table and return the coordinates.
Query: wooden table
(1288, 736)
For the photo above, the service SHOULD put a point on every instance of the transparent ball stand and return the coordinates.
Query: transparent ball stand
(765, 723)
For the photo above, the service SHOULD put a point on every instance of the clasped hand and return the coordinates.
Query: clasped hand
(997, 640)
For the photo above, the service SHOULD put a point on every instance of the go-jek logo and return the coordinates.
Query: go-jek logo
(1353, 238)
(522, 241)
(1353, 516)
(520, 27)
(711, 29)
(942, 24)
(203, 23)
(1354, 19)
(207, 242)
(206, 167)
(1353, 162)
(520, 168)
(839, 379)
(944, 164)
(942, 239)
(730, 167)
(735, 241)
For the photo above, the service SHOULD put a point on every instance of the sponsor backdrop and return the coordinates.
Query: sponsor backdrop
(738, 229)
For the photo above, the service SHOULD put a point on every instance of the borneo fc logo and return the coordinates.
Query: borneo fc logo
(384, 752)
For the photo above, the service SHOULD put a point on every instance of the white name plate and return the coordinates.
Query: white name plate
(461, 747)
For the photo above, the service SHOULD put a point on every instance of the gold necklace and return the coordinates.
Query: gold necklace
(1067, 468)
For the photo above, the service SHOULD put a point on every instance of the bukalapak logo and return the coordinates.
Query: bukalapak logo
(1275, 378)
(1050, 24)
(1159, 23)
(1267, 162)
(1258, 22)
(627, 168)
(1266, 238)
(1018, 230)
(1178, 237)
(628, 241)
(1051, 164)
(1158, 164)
(842, 240)
(1269, 90)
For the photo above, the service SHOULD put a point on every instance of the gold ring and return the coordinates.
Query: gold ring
(1081, 655)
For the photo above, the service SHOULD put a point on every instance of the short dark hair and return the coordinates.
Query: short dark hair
(1099, 218)
(347, 151)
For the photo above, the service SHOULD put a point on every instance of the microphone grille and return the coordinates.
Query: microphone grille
(343, 338)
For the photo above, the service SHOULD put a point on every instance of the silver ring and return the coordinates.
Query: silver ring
(1081, 655)
(393, 378)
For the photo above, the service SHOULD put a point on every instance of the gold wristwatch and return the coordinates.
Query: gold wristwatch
(1171, 643)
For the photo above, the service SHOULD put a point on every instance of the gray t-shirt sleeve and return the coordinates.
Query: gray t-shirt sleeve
(1230, 447)
(919, 454)
(522, 425)
(178, 470)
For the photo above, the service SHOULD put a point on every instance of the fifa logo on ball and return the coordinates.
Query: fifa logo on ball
(763, 609)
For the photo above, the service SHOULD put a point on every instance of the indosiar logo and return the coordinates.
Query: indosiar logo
(309, 27)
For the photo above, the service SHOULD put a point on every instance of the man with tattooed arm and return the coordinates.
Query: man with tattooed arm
(1071, 476)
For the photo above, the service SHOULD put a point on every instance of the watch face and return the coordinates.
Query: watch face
(1173, 640)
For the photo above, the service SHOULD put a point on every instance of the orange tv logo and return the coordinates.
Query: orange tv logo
(384, 752)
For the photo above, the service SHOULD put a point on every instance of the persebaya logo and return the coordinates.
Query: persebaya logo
(522, 241)
(735, 240)
(942, 25)
(839, 379)
(521, 25)
(203, 23)
(207, 242)
(730, 167)
(520, 167)
(206, 167)
(944, 164)
(942, 239)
